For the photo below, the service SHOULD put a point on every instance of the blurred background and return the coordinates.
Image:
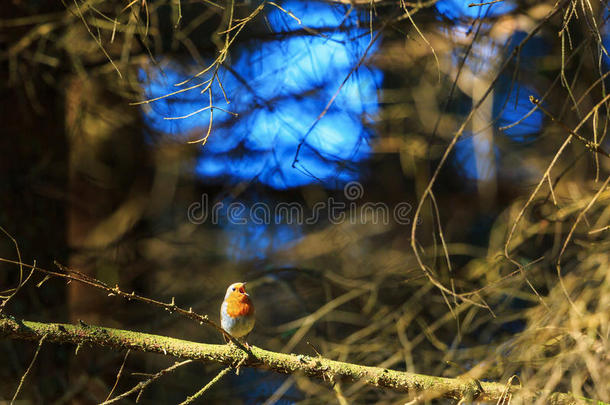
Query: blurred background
(176, 147)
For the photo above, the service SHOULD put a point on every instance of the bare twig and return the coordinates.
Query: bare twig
(73, 275)
(10, 293)
(143, 384)
(199, 393)
(484, 4)
(42, 339)
(569, 237)
(118, 375)
(428, 190)
(588, 144)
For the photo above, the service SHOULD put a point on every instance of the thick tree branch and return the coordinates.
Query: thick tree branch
(423, 385)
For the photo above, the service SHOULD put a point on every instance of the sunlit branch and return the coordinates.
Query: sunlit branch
(316, 367)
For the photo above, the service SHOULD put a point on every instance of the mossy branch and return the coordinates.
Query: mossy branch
(419, 385)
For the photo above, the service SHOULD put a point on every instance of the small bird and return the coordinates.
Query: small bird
(237, 311)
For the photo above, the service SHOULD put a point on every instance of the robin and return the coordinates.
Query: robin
(237, 312)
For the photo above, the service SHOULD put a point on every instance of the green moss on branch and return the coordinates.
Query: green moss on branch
(318, 367)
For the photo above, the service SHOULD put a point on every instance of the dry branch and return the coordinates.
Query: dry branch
(318, 367)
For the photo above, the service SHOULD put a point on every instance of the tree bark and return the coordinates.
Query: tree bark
(421, 386)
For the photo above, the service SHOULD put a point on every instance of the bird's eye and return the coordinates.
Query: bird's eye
(233, 288)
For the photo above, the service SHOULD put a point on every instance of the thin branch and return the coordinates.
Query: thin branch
(456, 136)
(569, 237)
(73, 275)
(143, 384)
(199, 393)
(484, 4)
(118, 376)
(42, 339)
(588, 144)
(4, 299)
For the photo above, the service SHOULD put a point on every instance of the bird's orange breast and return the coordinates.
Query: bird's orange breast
(239, 306)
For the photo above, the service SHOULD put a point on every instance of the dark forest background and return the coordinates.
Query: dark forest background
(480, 129)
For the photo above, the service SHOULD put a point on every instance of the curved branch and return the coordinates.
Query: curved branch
(318, 367)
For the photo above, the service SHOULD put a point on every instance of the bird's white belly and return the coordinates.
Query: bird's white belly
(239, 326)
